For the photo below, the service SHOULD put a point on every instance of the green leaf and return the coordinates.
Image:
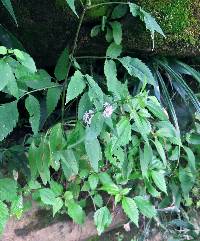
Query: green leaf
(190, 158)
(95, 31)
(69, 163)
(56, 187)
(134, 9)
(53, 96)
(58, 204)
(145, 207)
(111, 189)
(102, 219)
(84, 105)
(93, 181)
(113, 84)
(117, 32)
(123, 132)
(56, 138)
(33, 108)
(137, 68)
(98, 200)
(76, 86)
(114, 50)
(47, 196)
(161, 151)
(26, 60)
(32, 160)
(187, 180)
(94, 156)
(193, 138)
(156, 109)
(119, 11)
(62, 65)
(3, 50)
(76, 212)
(143, 164)
(72, 6)
(130, 208)
(8, 118)
(8, 189)
(16, 208)
(95, 93)
(8, 5)
(4, 214)
(8, 79)
(159, 179)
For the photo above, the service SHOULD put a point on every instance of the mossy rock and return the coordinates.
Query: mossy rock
(46, 27)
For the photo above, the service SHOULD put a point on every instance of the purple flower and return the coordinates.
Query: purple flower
(87, 117)
(108, 110)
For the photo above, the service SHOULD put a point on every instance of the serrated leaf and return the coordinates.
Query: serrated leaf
(56, 187)
(161, 151)
(58, 204)
(187, 180)
(56, 138)
(8, 79)
(76, 212)
(111, 188)
(62, 65)
(8, 189)
(93, 181)
(119, 11)
(190, 158)
(117, 32)
(98, 200)
(33, 108)
(53, 96)
(95, 93)
(156, 110)
(8, 5)
(69, 163)
(4, 215)
(93, 156)
(8, 118)
(137, 68)
(26, 60)
(47, 196)
(76, 86)
(131, 210)
(72, 6)
(145, 207)
(159, 179)
(114, 51)
(123, 132)
(113, 84)
(84, 105)
(17, 206)
(102, 219)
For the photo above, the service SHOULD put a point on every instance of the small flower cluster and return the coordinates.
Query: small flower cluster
(108, 110)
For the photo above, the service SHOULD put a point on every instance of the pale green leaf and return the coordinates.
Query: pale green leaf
(93, 181)
(56, 187)
(145, 207)
(159, 179)
(117, 32)
(161, 151)
(137, 68)
(3, 50)
(98, 200)
(8, 118)
(62, 65)
(57, 205)
(47, 196)
(8, 189)
(72, 6)
(134, 9)
(33, 108)
(131, 210)
(53, 96)
(102, 219)
(114, 50)
(4, 216)
(26, 60)
(76, 86)
(76, 212)
(93, 150)
(111, 189)
(16, 208)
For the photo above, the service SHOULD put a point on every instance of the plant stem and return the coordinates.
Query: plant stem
(70, 63)
(107, 3)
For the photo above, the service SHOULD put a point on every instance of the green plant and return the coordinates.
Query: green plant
(115, 149)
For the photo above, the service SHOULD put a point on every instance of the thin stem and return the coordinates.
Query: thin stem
(91, 57)
(70, 63)
(108, 3)
(33, 91)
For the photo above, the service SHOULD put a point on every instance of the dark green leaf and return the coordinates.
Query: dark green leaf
(114, 50)
(62, 65)
(8, 5)
(117, 32)
(53, 96)
(119, 11)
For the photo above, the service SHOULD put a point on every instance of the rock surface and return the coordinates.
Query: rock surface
(46, 27)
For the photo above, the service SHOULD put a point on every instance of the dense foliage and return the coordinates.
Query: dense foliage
(101, 136)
